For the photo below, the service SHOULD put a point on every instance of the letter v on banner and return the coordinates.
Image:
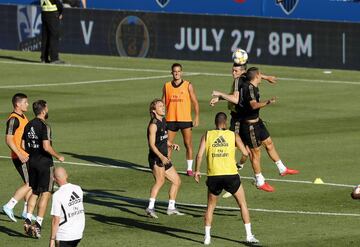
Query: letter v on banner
(87, 33)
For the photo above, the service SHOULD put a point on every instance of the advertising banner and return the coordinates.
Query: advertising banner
(189, 37)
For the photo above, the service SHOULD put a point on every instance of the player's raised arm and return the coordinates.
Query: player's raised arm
(269, 78)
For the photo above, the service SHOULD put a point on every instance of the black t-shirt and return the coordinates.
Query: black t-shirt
(238, 112)
(35, 132)
(161, 137)
(249, 93)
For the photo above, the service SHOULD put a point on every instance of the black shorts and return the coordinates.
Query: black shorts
(157, 162)
(230, 183)
(235, 125)
(22, 169)
(41, 175)
(253, 134)
(175, 126)
(72, 243)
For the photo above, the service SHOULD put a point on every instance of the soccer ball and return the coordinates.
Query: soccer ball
(355, 194)
(240, 56)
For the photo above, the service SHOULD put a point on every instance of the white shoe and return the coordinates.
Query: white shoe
(227, 195)
(173, 212)
(151, 213)
(252, 240)
(207, 240)
(9, 212)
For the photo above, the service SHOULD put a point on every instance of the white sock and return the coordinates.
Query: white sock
(207, 231)
(248, 229)
(189, 164)
(25, 208)
(39, 220)
(11, 204)
(281, 166)
(151, 203)
(29, 216)
(171, 204)
(260, 180)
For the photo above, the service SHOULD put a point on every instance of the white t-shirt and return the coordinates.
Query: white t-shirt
(67, 203)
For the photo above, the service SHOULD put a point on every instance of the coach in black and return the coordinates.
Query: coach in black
(51, 14)
(37, 143)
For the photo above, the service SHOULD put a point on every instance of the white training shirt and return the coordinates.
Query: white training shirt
(67, 203)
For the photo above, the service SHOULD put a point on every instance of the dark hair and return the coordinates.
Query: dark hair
(153, 107)
(243, 66)
(176, 65)
(17, 97)
(39, 106)
(251, 73)
(220, 118)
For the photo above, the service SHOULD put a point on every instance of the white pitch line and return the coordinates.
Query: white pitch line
(226, 207)
(148, 169)
(86, 82)
(166, 71)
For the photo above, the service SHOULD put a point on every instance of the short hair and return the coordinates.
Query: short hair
(153, 107)
(39, 106)
(243, 66)
(176, 65)
(251, 73)
(18, 97)
(220, 118)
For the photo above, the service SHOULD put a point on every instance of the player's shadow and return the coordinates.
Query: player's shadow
(155, 227)
(18, 59)
(132, 205)
(11, 232)
(108, 161)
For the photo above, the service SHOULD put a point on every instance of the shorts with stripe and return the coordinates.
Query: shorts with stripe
(253, 134)
(230, 183)
(22, 169)
(175, 126)
(41, 175)
(155, 161)
(235, 125)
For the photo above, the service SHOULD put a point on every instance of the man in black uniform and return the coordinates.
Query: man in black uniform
(159, 162)
(37, 143)
(51, 15)
(253, 131)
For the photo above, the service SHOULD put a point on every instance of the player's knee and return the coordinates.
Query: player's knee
(177, 182)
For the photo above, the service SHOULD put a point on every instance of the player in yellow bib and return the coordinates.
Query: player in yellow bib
(220, 145)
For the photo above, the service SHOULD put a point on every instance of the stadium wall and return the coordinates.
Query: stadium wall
(192, 37)
(338, 10)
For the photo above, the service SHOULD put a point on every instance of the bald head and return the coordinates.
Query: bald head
(60, 175)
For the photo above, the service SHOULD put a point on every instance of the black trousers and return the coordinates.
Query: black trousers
(50, 35)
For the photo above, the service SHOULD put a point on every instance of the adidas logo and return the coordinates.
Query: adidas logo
(74, 199)
(31, 134)
(220, 142)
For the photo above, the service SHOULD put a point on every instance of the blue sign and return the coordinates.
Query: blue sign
(329, 10)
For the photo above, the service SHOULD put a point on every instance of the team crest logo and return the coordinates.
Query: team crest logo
(162, 3)
(288, 6)
(132, 37)
(28, 21)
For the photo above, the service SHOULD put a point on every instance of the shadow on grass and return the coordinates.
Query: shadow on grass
(153, 226)
(126, 204)
(108, 161)
(11, 232)
(18, 59)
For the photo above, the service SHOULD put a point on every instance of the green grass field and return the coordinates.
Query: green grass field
(98, 110)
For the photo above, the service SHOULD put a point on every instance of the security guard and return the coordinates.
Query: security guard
(50, 32)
